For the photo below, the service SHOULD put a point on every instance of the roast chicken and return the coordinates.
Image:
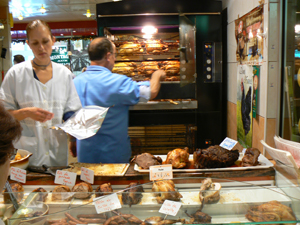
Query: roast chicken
(133, 194)
(178, 157)
(270, 211)
(42, 194)
(250, 157)
(171, 67)
(82, 190)
(145, 160)
(198, 217)
(165, 189)
(130, 48)
(126, 68)
(214, 157)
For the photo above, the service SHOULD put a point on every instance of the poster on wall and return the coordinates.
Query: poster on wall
(249, 31)
(244, 105)
(60, 55)
(256, 71)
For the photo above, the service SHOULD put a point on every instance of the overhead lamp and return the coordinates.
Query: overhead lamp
(1, 26)
(42, 9)
(20, 17)
(88, 13)
(149, 30)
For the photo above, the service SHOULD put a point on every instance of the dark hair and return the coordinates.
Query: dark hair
(34, 24)
(99, 47)
(10, 131)
(19, 58)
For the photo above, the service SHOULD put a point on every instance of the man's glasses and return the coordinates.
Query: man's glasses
(13, 155)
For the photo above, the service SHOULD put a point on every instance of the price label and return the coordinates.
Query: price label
(107, 203)
(87, 175)
(18, 174)
(170, 207)
(228, 143)
(161, 172)
(65, 178)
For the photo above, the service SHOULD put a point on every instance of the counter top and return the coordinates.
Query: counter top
(131, 175)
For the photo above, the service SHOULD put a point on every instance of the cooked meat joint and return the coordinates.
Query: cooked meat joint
(146, 160)
(251, 157)
(178, 157)
(165, 189)
(214, 157)
(133, 194)
(209, 191)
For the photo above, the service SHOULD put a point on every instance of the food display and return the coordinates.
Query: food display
(250, 157)
(145, 160)
(215, 157)
(59, 193)
(209, 191)
(165, 189)
(198, 217)
(178, 157)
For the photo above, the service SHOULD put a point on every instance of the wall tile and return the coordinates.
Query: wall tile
(231, 43)
(262, 93)
(273, 33)
(273, 90)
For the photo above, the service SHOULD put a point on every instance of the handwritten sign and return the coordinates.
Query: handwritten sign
(170, 207)
(65, 178)
(87, 175)
(161, 172)
(107, 203)
(18, 174)
(228, 143)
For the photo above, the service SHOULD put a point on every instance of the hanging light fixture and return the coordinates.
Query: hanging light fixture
(42, 9)
(88, 13)
(20, 17)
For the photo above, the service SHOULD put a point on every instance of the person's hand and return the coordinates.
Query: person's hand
(159, 73)
(72, 149)
(39, 114)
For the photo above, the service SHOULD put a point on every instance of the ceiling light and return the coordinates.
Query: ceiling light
(20, 17)
(42, 9)
(149, 30)
(88, 13)
(1, 26)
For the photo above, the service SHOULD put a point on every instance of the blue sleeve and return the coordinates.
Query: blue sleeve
(67, 115)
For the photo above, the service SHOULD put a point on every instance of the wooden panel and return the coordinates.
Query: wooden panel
(231, 121)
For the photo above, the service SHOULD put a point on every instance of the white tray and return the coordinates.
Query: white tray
(263, 163)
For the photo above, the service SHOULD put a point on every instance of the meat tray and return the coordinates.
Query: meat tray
(263, 163)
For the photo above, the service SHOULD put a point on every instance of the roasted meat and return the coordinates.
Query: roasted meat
(103, 189)
(61, 192)
(148, 69)
(17, 189)
(133, 194)
(42, 194)
(209, 191)
(251, 157)
(123, 219)
(145, 160)
(165, 189)
(178, 157)
(126, 68)
(270, 211)
(83, 190)
(214, 157)
(130, 48)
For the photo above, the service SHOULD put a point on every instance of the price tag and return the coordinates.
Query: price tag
(228, 143)
(107, 203)
(161, 172)
(18, 174)
(170, 207)
(87, 175)
(65, 178)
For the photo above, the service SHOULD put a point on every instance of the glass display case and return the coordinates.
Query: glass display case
(201, 200)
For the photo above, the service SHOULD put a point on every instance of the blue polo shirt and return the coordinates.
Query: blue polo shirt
(99, 86)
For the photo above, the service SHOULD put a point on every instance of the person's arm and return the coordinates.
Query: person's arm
(34, 113)
(155, 82)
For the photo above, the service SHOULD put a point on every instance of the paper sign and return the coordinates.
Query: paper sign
(228, 143)
(170, 207)
(65, 178)
(161, 172)
(18, 174)
(87, 175)
(107, 203)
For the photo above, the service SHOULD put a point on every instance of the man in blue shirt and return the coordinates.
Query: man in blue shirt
(99, 86)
